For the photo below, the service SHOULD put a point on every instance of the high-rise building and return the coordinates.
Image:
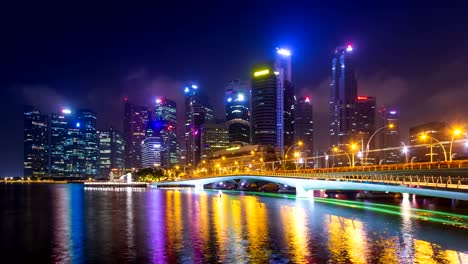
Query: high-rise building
(285, 99)
(135, 120)
(166, 111)
(304, 126)
(365, 124)
(111, 152)
(197, 112)
(58, 160)
(35, 143)
(237, 112)
(214, 137)
(74, 144)
(390, 137)
(266, 123)
(86, 123)
(343, 95)
(435, 134)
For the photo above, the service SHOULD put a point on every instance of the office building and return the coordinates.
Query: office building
(166, 111)
(135, 120)
(111, 153)
(86, 124)
(214, 137)
(197, 112)
(58, 160)
(35, 136)
(365, 125)
(265, 120)
(304, 126)
(237, 112)
(343, 95)
(390, 137)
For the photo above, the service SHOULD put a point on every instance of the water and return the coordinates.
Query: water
(68, 223)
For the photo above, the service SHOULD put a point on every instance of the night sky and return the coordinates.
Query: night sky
(91, 56)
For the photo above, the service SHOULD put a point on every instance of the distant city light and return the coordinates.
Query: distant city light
(392, 112)
(262, 72)
(349, 48)
(158, 101)
(466, 143)
(194, 86)
(276, 73)
(240, 97)
(307, 99)
(186, 90)
(157, 145)
(125, 98)
(78, 124)
(229, 99)
(66, 111)
(283, 52)
(362, 97)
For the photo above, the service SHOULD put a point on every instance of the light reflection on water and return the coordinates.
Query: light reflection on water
(175, 226)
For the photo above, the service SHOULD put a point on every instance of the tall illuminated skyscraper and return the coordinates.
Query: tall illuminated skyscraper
(343, 96)
(35, 143)
(59, 124)
(166, 112)
(86, 123)
(390, 137)
(197, 112)
(111, 152)
(365, 124)
(304, 125)
(237, 112)
(266, 122)
(134, 126)
(285, 99)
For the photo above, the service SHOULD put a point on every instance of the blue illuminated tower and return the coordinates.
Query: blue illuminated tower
(343, 96)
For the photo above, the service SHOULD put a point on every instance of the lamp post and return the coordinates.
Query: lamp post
(370, 138)
(351, 162)
(455, 133)
(425, 136)
(299, 143)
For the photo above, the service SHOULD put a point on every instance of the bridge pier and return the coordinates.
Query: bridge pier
(302, 193)
(198, 187)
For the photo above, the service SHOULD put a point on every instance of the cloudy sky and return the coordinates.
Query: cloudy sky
(91, 56)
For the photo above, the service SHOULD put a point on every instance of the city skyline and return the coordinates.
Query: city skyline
(48, 94)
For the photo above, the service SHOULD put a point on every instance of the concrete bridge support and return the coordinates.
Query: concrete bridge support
(302, 193)
(198, 187)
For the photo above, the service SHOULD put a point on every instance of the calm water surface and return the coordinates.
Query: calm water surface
(73, 224)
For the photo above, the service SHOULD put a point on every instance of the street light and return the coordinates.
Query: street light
(353, 147)
(455, 133)
(405, 151)
(391, 125)
(425, 136)
(337, 150)
(299, 143)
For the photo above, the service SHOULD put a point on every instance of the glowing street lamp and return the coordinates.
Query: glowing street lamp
(391, 126)
(337, 150)
(455, 133)
(299, 143)
(405, 151)
(431, 145)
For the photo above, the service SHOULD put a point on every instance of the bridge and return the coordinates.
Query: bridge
(438, 183)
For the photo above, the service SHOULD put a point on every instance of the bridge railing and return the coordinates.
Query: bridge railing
(431, 181)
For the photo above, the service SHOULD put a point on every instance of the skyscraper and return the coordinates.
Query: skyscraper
(285, 99)
(304, 125)
(152, 145)
(197, 112)
(86, 123)
(365, 123)
(265, 120)
(35, 143)
(214, 137)
(59, 124)
(237, 112)
(391, 135)
(166, 111)
(343, 95)
(111, 152)
(135, 120)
